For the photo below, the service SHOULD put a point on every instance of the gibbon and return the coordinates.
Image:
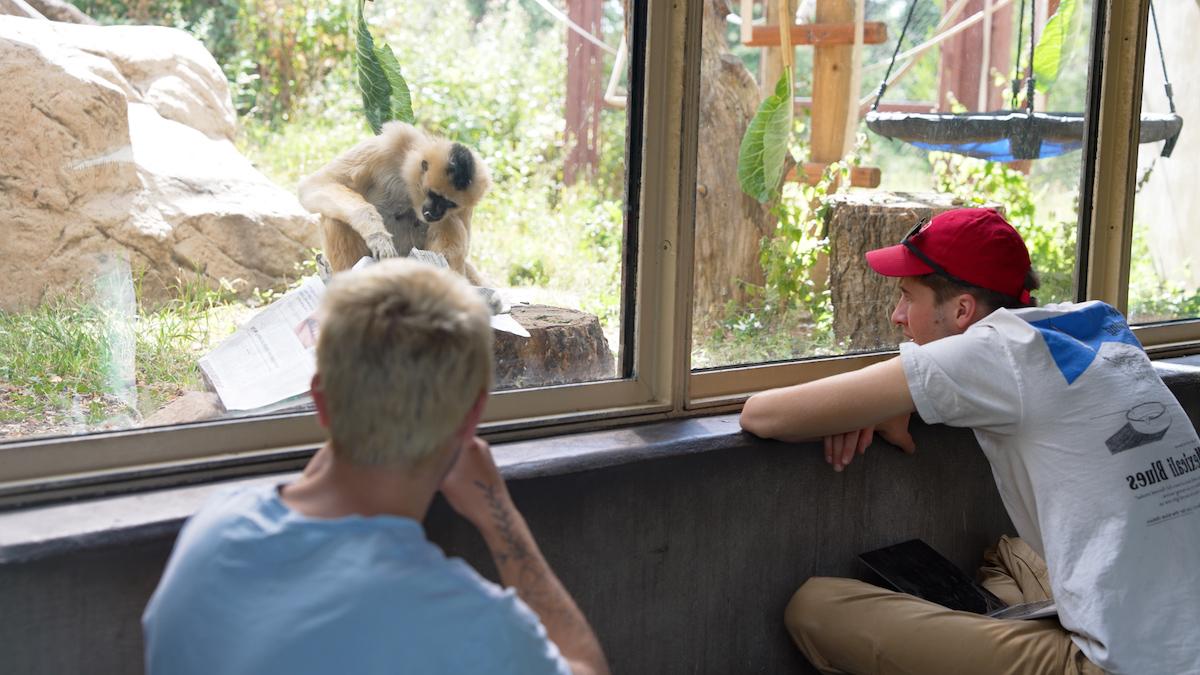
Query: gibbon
(401, 189)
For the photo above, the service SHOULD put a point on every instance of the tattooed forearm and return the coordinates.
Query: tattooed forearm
(522, 567)
(502, 517)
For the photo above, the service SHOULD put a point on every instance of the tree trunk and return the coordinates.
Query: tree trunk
(730, 225)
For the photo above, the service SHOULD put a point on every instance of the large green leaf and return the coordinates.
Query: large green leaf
(763, 153)
(401, 100)
(1053, 46)
(372, 80)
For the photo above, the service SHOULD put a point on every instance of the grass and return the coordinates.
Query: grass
(76, 362)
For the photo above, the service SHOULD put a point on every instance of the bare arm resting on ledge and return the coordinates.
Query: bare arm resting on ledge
(877, 395)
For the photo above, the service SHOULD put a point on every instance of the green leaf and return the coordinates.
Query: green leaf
(763, 153)
(1053, 46)
(372, 79)
(401, 100)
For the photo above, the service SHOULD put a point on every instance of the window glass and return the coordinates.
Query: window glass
(150, 187)
(1164, 273)
(786, 279)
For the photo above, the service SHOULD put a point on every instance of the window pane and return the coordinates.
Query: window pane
(787, 279)
(1164, 273)
(150, 194)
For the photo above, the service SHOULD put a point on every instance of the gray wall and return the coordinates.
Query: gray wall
(682, 560)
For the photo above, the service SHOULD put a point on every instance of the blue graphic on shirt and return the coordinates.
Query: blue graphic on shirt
(1074, 339)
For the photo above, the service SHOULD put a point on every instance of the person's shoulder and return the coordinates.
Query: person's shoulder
(1062, 309)
(232, 507)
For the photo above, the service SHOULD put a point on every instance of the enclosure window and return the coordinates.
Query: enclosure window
(1164, 272)
(779, 268)
(159, 266)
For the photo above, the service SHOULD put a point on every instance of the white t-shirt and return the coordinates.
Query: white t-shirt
(254, 587)
(1097, 464)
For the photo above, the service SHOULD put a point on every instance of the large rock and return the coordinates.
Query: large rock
(118, 139)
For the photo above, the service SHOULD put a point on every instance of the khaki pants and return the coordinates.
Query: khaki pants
(847, 626)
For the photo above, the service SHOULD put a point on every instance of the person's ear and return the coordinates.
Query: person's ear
(965, 307)
(319, 402)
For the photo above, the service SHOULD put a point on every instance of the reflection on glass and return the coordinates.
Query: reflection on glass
(787, 279)
(1164, 266)
(151, 209)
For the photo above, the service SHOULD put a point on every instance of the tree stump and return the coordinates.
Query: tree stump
(564, 346)
(863, 299)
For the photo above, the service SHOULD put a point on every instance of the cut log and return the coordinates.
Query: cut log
(862, 299)
(564, 346)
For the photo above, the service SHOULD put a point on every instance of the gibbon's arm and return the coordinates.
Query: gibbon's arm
(330, 198)
(334, 192)
(832, 405)
(449, 237)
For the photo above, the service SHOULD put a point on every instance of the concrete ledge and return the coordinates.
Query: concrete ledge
(682, 541)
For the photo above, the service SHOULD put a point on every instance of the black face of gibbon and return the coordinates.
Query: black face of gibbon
(435, 206)
(448, 188)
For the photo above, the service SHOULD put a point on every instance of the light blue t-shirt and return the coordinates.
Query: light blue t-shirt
(253, 587)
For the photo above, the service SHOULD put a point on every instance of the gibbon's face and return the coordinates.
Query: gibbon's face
(451, 178)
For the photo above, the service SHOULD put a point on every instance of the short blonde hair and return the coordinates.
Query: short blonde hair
(404, 351)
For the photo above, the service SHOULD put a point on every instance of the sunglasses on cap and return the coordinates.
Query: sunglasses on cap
(907, 241)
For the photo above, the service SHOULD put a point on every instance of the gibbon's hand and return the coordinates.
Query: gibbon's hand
(381, 245)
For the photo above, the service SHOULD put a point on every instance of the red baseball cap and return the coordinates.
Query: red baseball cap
(976, 246)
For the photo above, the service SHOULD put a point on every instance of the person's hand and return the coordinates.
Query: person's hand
(895, 431)
(473, 485)
(840, 449)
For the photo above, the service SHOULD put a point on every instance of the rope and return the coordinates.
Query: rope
(1016, 82)
(903, 31)
(580, 30)
(1162, 58)
(1029, 87)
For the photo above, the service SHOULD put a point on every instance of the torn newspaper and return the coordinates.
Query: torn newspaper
(272, 358)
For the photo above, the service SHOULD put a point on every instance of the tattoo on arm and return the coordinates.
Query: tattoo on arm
(521, 566)
(534, 584)
(515, 549)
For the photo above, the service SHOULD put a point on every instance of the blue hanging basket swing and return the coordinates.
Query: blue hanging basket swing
(1008, 135)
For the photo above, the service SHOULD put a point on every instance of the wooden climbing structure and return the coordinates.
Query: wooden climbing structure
(837, 38)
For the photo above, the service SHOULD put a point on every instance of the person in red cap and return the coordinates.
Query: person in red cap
(1096, 462)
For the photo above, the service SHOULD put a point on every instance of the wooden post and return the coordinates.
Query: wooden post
(770, 61)
(834, 102)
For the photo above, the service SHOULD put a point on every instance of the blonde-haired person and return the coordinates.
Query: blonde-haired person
(333, 573)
